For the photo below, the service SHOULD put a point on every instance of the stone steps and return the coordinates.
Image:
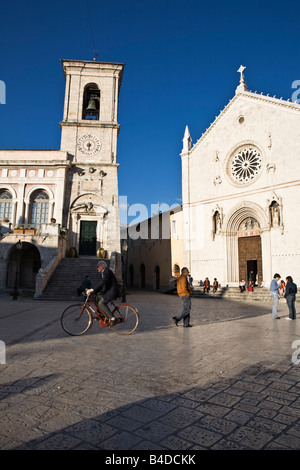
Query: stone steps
(260, 294)
(68, 276)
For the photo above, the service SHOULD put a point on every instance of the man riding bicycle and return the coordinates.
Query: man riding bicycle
(107, 290)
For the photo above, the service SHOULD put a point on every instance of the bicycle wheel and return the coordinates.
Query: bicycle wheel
(76, 320)
(127, 319)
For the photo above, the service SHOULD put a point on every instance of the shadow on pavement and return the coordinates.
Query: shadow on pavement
(257, 409)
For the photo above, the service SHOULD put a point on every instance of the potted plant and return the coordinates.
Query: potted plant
(29, 231)
(72, 253)
(18, 229)
(101, 253)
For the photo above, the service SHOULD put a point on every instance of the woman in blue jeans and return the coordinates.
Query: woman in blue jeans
(290, 295)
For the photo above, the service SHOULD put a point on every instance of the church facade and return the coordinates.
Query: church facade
(62, 202)
(240, 192)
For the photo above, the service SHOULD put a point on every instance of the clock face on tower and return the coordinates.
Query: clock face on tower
(89, 145)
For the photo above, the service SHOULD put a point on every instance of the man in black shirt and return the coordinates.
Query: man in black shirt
(106, 291)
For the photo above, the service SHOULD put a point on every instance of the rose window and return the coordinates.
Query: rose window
(245, 164)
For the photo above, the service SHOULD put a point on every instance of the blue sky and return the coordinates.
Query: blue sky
(181, 61)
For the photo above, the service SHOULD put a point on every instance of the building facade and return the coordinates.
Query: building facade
(68, 198)
(240, 187)
(154, 254)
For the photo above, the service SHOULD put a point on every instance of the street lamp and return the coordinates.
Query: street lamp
(19, 248)
(124, 266)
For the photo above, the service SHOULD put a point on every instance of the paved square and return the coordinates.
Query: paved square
(227, 383)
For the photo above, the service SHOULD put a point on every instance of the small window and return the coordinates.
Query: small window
(174, 227)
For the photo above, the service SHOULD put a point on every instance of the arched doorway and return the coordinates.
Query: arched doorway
(25, 264)
(143, 275)
(249, 251)
(157, 277)
(131, 273)
(246, 229)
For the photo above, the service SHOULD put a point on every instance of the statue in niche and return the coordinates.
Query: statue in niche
(275, 217)
(217, 222)
(274, 214)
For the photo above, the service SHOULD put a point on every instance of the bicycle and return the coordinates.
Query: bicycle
(78, 318)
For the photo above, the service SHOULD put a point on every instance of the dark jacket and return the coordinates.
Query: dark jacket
(108, 286)
(290, 289)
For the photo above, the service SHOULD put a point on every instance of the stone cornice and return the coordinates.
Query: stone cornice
(92, 124)
(34, 163)
(250, 192)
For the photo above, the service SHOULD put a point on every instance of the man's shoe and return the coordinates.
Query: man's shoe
(186, 326)
(175, 320)
(288, 318)
(277, 318)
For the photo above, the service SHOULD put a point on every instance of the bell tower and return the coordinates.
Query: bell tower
(89, 132)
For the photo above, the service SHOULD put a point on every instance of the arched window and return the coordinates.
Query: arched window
(39, 208)
(5, 205)
(91, 102)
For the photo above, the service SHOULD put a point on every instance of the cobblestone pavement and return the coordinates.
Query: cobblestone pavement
(227, 383)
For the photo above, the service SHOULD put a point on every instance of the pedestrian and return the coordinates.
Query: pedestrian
(107, 290)
(86, 284)
(250, 286)
(274, 288)
(206, 287)
(184, 291)
(282, 288)
(242, 285)
(290, 295)
(215, 285)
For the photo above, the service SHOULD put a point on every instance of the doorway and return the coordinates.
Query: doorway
(156, 277)
(250, 259)
(143, 276)
(131, 272)
(252, 271)
(88, 238)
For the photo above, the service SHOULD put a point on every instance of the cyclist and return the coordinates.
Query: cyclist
(107, 290)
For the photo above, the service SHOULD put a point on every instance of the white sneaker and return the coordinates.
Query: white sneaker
(288, 318)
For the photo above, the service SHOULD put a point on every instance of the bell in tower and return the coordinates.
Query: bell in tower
(91, 102)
